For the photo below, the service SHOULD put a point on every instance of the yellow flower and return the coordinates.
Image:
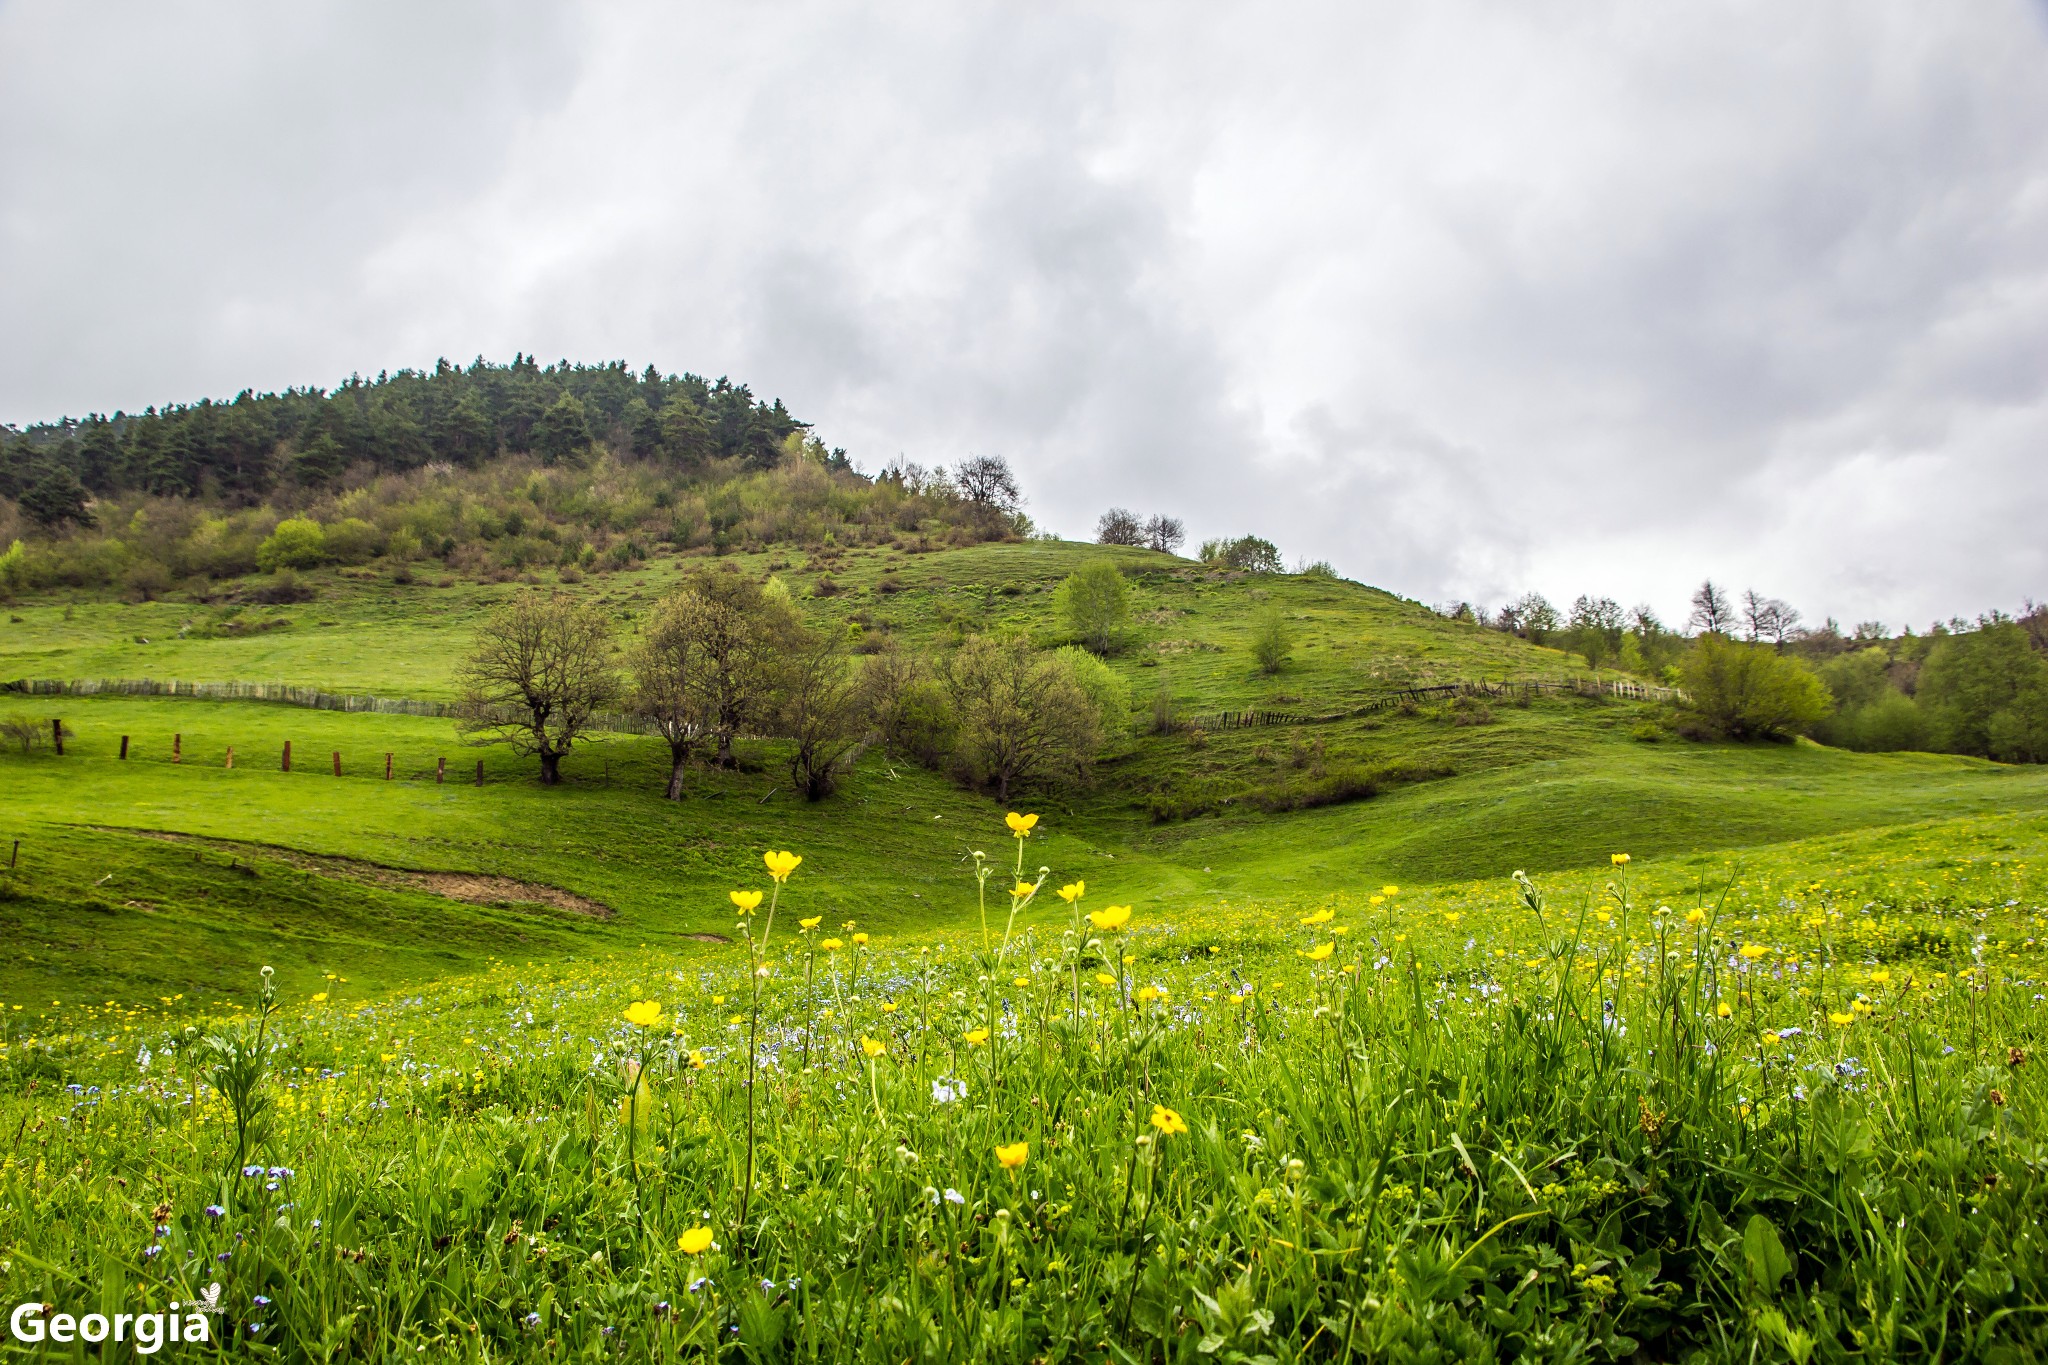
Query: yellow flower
(1147, 994)
(1020, 825)
(860, 939)
(1167, 1121)
(318, 996)
(747, 901)
(1771, 1039)
(1023, 890)
(874, 1047)
(1320, 951)
(1322, 916)
(1880, 978)
(1390, 891)
(1721, 1010)
(888, 1007)
(1753, 951)
(645, 1013)
(813, 922)
(780, 865)
(387, 1056)
(1020, 981)
(1110, 916)
(694, 1242)
(1104, 979)
(718, 1000)
(1618, 859)
(831, 945)
(1013, 1155)
(976, 1036)
(1841, 1020)
(1375, 900)
(1695, 916)
(696, 1061)
(1072, 891)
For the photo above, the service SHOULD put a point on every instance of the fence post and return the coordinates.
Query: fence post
(17, 856)
(124, 746)
(387, 767)
(177, 748)
(337, 763)
(441, 772)
(231, 755)
(287, 755)
(57, 736)
(479, 772)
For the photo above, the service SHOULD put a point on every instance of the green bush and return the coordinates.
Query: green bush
(1752, 691)
(297, 543)
(1095, 604)
(352, 541)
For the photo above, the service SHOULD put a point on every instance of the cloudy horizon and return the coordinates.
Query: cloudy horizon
(1467, 299)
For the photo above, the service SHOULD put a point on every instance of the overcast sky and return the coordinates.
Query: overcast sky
(1467, 299)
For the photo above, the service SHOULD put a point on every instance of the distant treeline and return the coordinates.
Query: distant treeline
(1969, 687)
(490, 470)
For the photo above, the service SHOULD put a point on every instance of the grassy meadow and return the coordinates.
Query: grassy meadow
(1322, 1080)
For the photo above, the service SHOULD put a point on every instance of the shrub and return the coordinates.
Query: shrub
(353, 541)
(1272, 640)
(1095, 603)
(1108, 691)
(297, 543)
(1752, 691)
(284, 586)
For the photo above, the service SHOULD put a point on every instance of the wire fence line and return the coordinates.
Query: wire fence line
(619, 722)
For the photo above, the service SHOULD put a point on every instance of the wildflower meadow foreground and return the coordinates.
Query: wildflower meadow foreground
(1789, 1113)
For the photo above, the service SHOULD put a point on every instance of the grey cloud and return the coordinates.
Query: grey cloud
(1467, 298)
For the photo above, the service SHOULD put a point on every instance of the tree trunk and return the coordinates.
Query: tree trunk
(677, 755)
(550, 769)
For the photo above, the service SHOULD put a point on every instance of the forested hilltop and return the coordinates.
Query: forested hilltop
(487, 471)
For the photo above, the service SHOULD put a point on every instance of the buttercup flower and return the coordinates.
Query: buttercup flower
(831, 945)
(780, 865)
(1109, 917)
(1013, 1155)
(873, 1047)
(860, 938)
(1022, 890)
(1618, 859)
(1020, 825)
(1320, 951)
(976, 1036)
(1168, 1121)
(1322, 916)
(747, 901)
(813, 922)
(1390, 891)
(1072, 891)
(693, 1242)
(644, 1013)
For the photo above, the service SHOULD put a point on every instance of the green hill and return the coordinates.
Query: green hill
(1432, 790)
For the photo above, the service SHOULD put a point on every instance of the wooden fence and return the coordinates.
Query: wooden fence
(279, 693)
(1416, 696)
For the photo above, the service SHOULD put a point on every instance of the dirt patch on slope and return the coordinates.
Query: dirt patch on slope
(476, 888)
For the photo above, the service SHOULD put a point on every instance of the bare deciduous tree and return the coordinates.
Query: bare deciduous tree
(986, 481)
(1165, 534)
(542, 667)
(1119, 526)
(664, 668)
(1712, 613)
(817, 707)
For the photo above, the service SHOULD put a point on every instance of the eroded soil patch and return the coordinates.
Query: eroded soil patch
(476, 888)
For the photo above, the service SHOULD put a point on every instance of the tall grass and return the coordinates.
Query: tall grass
(1588, 1126)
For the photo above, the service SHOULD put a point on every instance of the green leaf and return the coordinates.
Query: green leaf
(1764, 1254)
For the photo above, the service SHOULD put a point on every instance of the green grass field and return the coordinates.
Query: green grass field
(1425, 1145)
